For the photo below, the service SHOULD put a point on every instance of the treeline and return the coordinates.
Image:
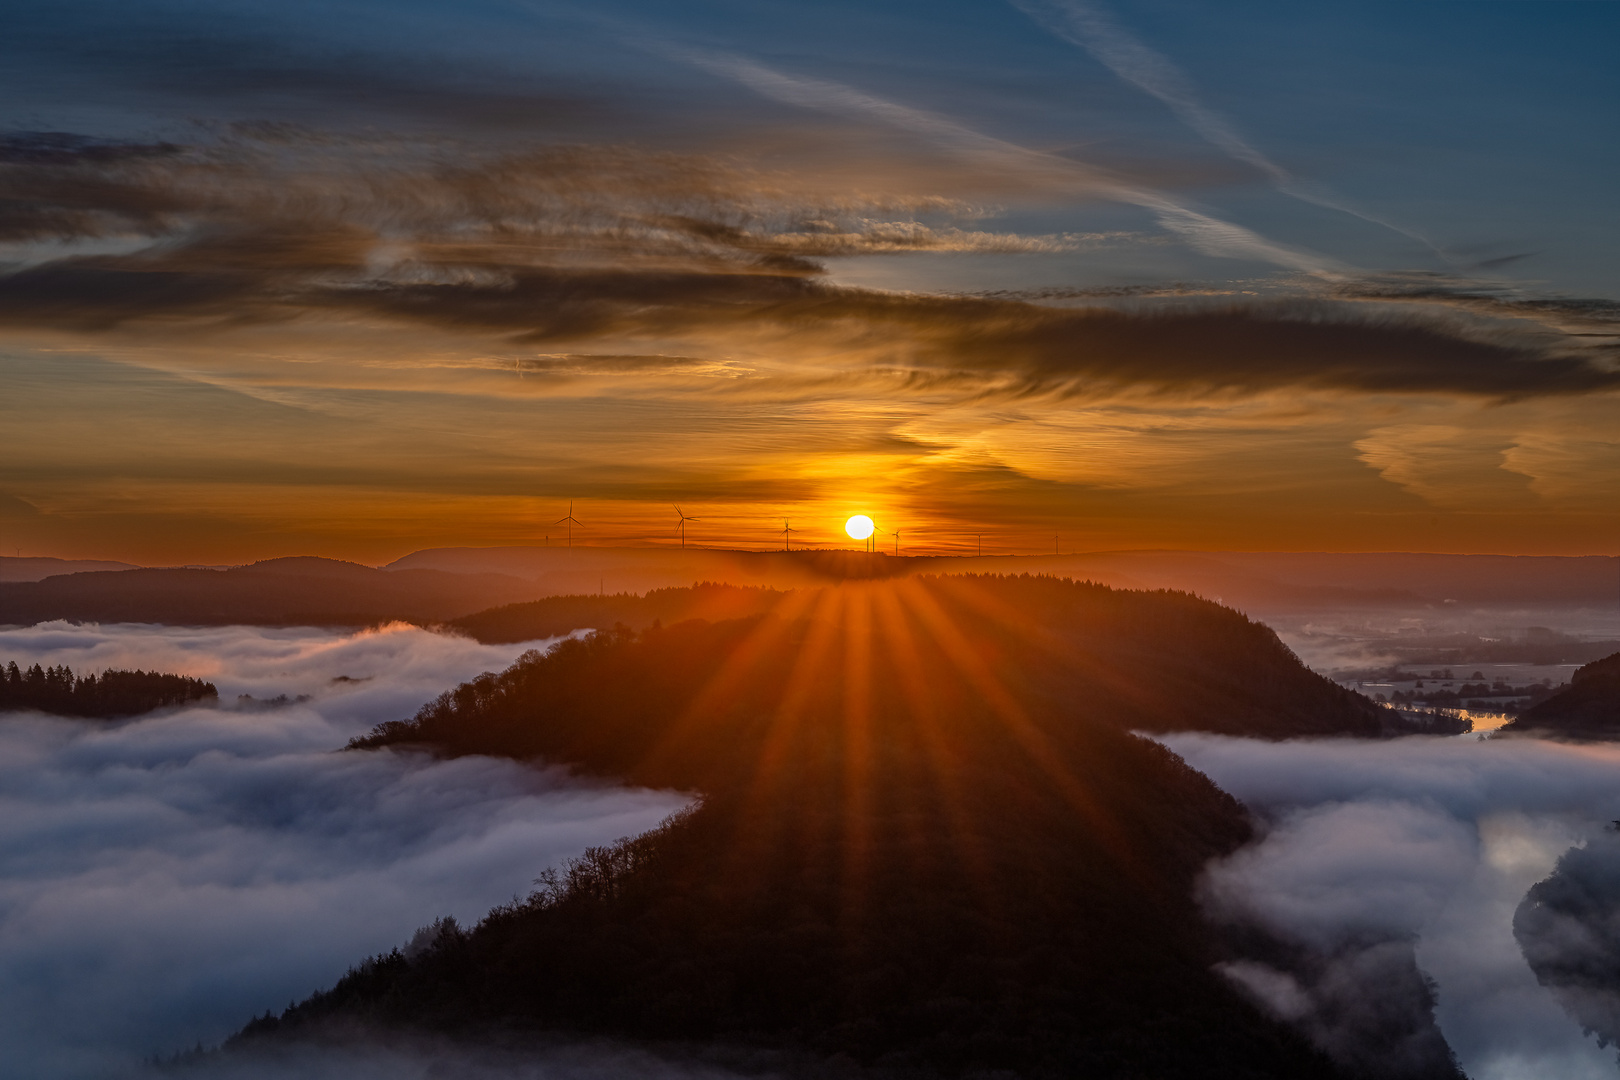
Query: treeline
(1588, 708)
(558, 615)
(106, 696)
(1478, 696)
(1151, 661)
(298, 591)
(927, 840)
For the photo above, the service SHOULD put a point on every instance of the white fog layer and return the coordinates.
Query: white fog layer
(1368, 845)
(164, 879)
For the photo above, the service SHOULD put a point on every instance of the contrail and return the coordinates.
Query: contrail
(1092, 29)
(1207, 234)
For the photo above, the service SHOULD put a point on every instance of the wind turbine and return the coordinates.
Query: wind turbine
(572, 521)
(787, 542)
(896, 535)
(684, 520)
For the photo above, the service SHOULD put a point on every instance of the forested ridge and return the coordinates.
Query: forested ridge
(1588, 708)
(296, 591)
(1151, 661)
(926, 841)
(107, 696)
(558, 615)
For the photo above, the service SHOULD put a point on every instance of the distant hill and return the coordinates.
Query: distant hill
(927, 839)
(31, 568)
(557, 615)
(450, 583)
(1589, 708)
(294, 591)
(1253, 581)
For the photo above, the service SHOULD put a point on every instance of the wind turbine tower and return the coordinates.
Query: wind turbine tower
(684, 520)
(571, 521)
(787, 543)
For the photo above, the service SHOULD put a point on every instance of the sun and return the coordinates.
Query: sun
(859, 527)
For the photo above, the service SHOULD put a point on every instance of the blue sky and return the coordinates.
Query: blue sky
(1488, 128)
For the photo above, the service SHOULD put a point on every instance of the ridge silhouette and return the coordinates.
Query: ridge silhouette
(926, 838)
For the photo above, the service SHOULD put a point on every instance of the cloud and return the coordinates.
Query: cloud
(163, 880)
(196, 59)
(1347, 887)
(1202, 231)
(1443, 464)
(1569, 462)
(1382, 864)
(610, 250)
(1089, 26)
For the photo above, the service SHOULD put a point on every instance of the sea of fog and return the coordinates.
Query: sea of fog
(1372, 849)
(1328, 640)
(165, 879)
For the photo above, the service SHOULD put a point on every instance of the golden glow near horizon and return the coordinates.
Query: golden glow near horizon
(533, 328)
(859, 527)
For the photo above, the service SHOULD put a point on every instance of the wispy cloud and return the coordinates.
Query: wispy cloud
(622, 252)
(1202, 231)
(1092, 28)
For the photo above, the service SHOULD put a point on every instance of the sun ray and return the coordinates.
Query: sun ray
(1033, 740)
(767, 633)
(857, 746)
(902, 651)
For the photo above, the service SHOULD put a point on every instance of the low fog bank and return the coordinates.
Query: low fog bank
(1385, 865)
(164, 879)
(356, 679)
(1485, 636)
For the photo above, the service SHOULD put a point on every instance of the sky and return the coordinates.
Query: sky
(357, 278)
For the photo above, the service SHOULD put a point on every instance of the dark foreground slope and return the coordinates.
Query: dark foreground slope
(1588, 709)
(920, 844)
(278, 592)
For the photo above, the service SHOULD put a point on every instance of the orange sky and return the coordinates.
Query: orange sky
(356, 349)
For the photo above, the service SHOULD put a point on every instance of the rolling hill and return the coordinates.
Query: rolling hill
(927, 842)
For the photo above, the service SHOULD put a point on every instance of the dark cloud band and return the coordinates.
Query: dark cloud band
(593, 249)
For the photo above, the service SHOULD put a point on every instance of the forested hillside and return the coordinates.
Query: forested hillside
(1158, 661)
(1589, 708)
(926, 839)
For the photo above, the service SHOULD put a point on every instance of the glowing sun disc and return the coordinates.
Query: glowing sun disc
(859, 527)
